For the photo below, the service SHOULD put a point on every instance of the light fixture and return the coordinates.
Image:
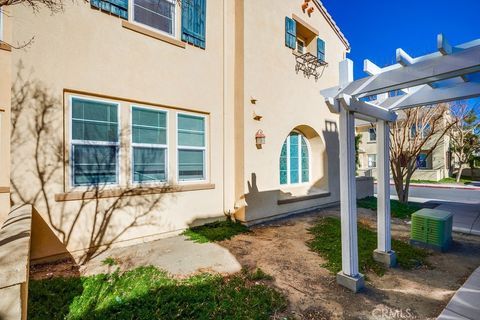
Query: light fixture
(259, 139)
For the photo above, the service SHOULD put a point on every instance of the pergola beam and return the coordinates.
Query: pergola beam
(423, 72)
(427, 95)
(366, 108)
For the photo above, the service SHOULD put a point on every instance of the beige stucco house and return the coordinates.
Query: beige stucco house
(432, 167)
(133, 120)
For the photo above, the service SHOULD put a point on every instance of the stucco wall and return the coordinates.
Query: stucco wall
(286, 101)
(87, 51)
(5, 98)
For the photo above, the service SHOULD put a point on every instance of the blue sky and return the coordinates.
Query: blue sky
(376, 28)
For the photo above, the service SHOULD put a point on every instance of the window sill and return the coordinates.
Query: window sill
(5, 46)
(152, 34)
(129, 192)
(324, 194)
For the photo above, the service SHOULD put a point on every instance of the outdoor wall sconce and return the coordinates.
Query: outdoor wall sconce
(310, 10)
(253, 100)
(259, 139)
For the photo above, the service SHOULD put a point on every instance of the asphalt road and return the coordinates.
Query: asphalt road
(450, 194)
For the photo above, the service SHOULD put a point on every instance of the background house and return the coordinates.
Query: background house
(132, 121)
(434, 166)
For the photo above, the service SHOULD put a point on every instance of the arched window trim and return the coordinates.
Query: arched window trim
(300, 167)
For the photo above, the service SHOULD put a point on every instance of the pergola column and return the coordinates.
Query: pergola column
(383, 253)
(349, 276)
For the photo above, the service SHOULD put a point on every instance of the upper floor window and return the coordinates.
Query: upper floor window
(300, 46)
(157, 14)
(295, 160)
(149, 145)
(191, 147)
(94, 142)
(372, 134)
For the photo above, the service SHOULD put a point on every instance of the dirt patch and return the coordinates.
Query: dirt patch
(280, 250)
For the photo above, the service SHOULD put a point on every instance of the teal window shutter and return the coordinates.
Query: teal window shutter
(115, 7)
(290, 33)
(194, 22)
(321, 50)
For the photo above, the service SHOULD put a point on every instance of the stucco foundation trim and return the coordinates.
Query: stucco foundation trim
(152, 34)
(304, 198)
(114, 193)
(14, 262)
(5, 46)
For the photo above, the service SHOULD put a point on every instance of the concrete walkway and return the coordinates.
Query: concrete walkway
(465, 305)
(176, 255)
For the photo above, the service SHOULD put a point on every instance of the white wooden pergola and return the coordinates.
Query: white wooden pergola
(451, 73)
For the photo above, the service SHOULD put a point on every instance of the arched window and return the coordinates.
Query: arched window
(294, 160)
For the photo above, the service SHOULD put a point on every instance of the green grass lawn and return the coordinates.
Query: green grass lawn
(216, 231)
(327, 243)
(444, 180)
(398, 209)
(149, 293)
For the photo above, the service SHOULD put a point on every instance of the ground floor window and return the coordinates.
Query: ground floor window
(94, 147)
(422, 161)
(149, 145)
(191, 147)
(295, 160)
(109, 149)
(372, 160)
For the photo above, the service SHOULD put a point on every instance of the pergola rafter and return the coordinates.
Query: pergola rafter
(451, 73)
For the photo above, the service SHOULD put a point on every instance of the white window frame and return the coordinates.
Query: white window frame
(204, 148)
(93, 143)
(148, 145)
(300, 167)
(131, 18)
(368, 160)
(304, 46)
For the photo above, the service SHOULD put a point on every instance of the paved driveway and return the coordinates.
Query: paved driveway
(463, 203)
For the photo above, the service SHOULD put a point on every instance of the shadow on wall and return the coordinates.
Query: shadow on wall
(38, 172)
(325, 189)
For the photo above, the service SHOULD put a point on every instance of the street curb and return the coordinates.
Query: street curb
(438, 186)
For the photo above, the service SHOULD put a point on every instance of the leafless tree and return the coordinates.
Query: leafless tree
(464, 137)
(417, 130)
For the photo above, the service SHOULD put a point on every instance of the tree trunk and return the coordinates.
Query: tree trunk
(459, 173)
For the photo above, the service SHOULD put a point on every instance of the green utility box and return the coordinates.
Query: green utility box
(432, 229)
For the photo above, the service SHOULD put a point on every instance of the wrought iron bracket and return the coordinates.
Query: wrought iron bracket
(310, 65)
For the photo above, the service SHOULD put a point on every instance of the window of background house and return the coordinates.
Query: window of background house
(372, 134)
(422, 161)
(294, 160)
(157, 14)
(149, 145)
(372, 160)
(191, 147)
(95, 142)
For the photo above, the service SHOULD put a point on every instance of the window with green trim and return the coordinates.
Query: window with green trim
(149, 145)
(295, 160)
(95, 142)
(191, 147)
